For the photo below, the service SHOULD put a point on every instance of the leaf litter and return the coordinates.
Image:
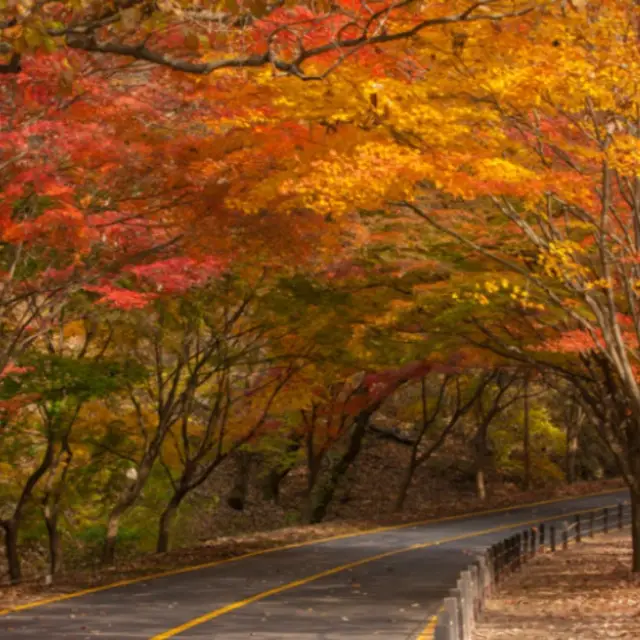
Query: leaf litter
(584, 593)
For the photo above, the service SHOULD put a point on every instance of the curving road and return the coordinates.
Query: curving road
(384, 584)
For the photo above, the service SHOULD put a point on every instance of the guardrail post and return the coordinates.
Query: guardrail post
(552, 538)
(605, 520)
(471, 608)
(592, 518)
(457, 594)
(488, 554)
(443, 630)
(533, 542)
(480, 577)
(462, 622)
(452, 607)
(506, 555)
(494, 564)
(463, 586)
(525, 545)
(518, 550)
(475, 589)
(565, 537)
(483, 580)
(505, 550)
(620, 514)
(578, 526)
(490, 574)
(542, 536)
(468, 587)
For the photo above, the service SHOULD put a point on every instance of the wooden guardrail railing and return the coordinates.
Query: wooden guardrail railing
(460, 610)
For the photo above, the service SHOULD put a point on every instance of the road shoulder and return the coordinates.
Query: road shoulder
(586, 592)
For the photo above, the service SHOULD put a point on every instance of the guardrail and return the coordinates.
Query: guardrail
(460, 610)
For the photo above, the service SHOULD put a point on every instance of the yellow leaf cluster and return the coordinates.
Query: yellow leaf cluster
(494, 291)
(560, 260)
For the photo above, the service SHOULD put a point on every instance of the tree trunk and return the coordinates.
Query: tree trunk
(635, 531)
(573, 435)
(417, 460)
(408, 477)
(275, 476)
(633, 481)
(527, 438)
(166, 521)
(125, 502)
(313, 473)
(572, 452)
(111, 539)
(271, 486)
(12, 525)
(482, 459)
(238, 494)
(51, 504)
(51, 523)
(11, 550)
(481, 488)
(325, 495)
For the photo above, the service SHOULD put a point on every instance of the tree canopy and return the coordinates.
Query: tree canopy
(244, 232)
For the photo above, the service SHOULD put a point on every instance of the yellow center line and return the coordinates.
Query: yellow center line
(216, 613)
(429, 631)
(295, 545)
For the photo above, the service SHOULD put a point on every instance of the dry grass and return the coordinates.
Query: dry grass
(584, 593)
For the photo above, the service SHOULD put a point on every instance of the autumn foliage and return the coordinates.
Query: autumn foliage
(238, 232)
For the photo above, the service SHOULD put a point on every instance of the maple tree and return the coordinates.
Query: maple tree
(91, 217)
(61, 228)
(54, 386)
(342, 412)
(232, 406)
(567, 185)
(172, 192)
(531, 168)
(204, 37)
(486, 414)
(448, 391)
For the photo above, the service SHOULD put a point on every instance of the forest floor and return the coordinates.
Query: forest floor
(223, 547)
(586, 592)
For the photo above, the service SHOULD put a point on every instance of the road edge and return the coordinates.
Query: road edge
(296, 545)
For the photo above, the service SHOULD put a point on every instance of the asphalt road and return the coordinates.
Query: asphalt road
(392, 583)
